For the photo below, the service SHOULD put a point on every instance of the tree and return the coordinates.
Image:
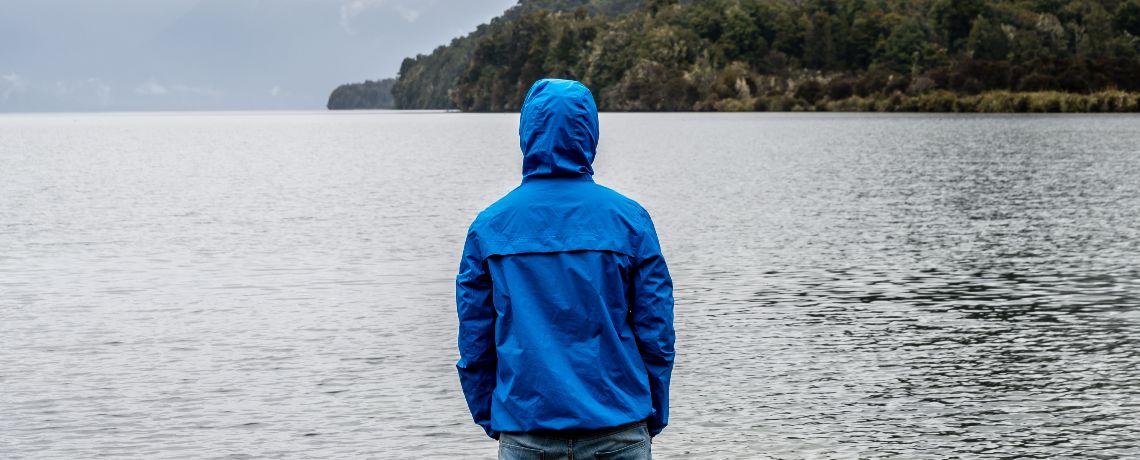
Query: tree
(987, 40)
(819, 49)
(954, 20)
(1128, 17)
(743, 54)
(367, 95)
(655, 6)
(902, 49)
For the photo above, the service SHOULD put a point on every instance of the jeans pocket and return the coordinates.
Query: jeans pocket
(638, 451)
(513, 452)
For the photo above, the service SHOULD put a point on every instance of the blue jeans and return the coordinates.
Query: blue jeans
(627, 442)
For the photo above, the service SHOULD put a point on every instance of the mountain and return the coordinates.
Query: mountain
(369, 95)
(727, 55)
(427, 80)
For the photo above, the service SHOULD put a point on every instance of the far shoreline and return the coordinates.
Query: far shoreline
(1109, 101)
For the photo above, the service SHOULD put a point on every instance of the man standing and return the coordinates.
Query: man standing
(565, 303)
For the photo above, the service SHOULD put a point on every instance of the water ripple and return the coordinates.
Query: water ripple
(848, 286)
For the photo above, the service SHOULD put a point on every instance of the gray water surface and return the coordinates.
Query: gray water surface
(280, 285)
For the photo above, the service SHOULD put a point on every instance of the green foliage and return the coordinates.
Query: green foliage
(953, 19)
(902, 50)
(921, 55)
(987, 40)
(429, 81)
(998, 102)
(367, 95)
(1128, 17)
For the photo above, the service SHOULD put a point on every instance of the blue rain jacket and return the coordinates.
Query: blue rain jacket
(565, 303)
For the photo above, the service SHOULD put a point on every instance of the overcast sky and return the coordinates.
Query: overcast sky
(109, 55)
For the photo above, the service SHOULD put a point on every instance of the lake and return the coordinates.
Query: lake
(281, 285)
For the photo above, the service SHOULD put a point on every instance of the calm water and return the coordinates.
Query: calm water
(281, 285)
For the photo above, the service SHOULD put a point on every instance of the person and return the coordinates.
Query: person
(565, 303)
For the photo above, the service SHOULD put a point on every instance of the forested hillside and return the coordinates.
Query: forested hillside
(428, 81)
(927, 55)
(367, 95)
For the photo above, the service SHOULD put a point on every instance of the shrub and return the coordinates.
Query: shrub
(734, 105)
(921, 85)
(1044, 102)
(1074, 103)
(873, 82)
(810, 91)
(1037, 82)
(995, 102)
(896, 84)
(966, 104)
(840, 88)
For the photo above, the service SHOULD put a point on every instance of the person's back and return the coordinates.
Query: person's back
(565, 303)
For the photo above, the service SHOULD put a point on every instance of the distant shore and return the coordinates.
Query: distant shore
(758, 55)
(948, 102)
(933, 102)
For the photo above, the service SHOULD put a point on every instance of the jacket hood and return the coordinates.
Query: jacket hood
(558, 129)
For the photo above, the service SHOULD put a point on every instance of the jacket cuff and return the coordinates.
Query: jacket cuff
(654, 430)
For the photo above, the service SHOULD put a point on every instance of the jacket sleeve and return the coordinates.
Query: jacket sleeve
(652, 320)
(477, 359)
